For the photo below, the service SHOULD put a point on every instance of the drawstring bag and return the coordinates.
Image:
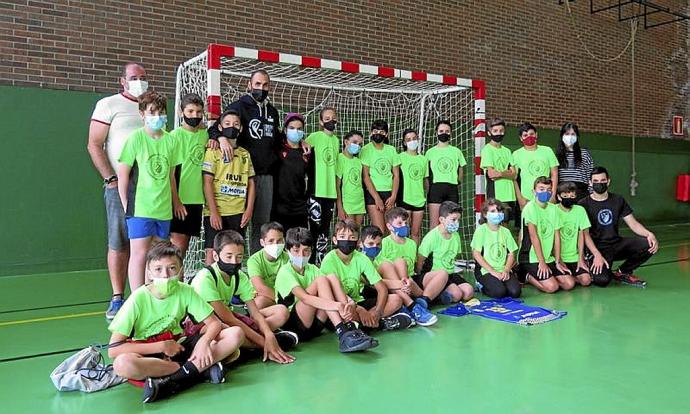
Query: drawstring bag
(85, 371)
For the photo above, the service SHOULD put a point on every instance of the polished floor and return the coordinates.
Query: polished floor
(619, 350)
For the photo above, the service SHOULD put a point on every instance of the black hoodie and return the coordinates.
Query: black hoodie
(260, 132)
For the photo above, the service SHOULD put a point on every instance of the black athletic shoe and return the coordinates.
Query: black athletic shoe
(159, 388)
(286, 339)
(398, 321)
(355, 340)
(215, 374)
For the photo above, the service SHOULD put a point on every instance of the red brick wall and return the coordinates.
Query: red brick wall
(527, 51)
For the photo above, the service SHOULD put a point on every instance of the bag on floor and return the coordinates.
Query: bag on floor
(86, 372)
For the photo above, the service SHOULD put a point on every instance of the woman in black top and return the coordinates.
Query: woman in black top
(575, 162)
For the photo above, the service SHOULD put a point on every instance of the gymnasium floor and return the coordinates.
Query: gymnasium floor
(619, 350)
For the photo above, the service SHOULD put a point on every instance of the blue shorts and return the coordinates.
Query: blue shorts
(142, 227)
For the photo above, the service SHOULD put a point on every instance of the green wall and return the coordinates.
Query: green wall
(52, 208)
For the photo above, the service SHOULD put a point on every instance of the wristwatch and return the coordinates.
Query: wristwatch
(109, 180)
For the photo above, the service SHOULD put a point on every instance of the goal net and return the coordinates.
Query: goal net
(360, 94)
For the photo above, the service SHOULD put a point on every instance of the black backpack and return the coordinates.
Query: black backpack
(236, 278)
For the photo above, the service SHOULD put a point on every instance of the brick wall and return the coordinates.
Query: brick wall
(527, 51)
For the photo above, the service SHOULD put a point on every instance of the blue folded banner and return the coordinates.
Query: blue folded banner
(506, 310)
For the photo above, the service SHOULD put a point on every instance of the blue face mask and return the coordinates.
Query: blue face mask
(452, 227)
(353, 149)
(495, 217)
(155, 122)
(544, 196)
(402, 231)
(371, 252)
(294, 135)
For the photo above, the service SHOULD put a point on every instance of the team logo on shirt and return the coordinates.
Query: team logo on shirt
(196, 156)
(497, 252)
(383, 167)
(545, 228)
(417, 172)
(328, 156)
(255, 130)
(569, 230)
(349, 285)
(445, 165)
(538, 168)
(158, 167)
(501, 163)
(354, 177)
(605, 217)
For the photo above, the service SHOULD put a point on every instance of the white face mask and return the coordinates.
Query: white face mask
(274, 250)
(299, 261)
(569, 139)
(136, 88)
(413, 145)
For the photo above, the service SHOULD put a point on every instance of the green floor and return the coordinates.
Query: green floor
(619, 350)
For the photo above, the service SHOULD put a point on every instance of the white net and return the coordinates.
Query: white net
(359, 99)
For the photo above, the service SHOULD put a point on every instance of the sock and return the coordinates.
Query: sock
(427, 300)
(411, 306)
(121, 295)
(187, 371)
(341, 328)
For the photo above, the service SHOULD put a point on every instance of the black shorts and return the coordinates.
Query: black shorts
(295, 324)
(228, 222)
(370, 295)
(455, 279)
(533, 268)
(410, 207)
(575, 271)
(188, 343)
(510, 211)
(418, 278)
(191, 225)
(440, 192)
(383, 195)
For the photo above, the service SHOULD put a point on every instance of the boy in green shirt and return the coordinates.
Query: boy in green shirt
(574, 220)
(263, 266)
(376, 308)
(188, 188)
(219, 282)
(446, 162)
(540, 263)
(493, 248)
(414, 182)
(322, 184)
(148, 345)
(348, 179)
(396, 265)
(151, 154)
(381, 174)
(533, 161)
(441, 246)
(497, 162)
(314, 298)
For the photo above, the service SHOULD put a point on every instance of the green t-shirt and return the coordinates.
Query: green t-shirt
(445, 250)
(444, 163)
(499, 159)
(390, 251)
(193, 148)
(349, 170)
(493, 245)
(532, 165)
(211, 289)
(572, 222)
(288, 279)
(143, 315)
(414, 169)
(380, 163)
(547, 221)
(259, 266)
(153, 159)
(326, 148)
(350, 275)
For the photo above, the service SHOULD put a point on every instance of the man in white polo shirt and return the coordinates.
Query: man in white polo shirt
(114, 119)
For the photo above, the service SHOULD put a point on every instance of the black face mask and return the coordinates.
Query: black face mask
(259, 95)
(192, 122)
(230, 269)
(600, 188)
(378, 138)
(496, 138)
(443, 137)
(330, 125)
(346, 246)
(230, 132)
(568, 202)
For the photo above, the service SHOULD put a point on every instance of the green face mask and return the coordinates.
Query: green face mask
(165, 286)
